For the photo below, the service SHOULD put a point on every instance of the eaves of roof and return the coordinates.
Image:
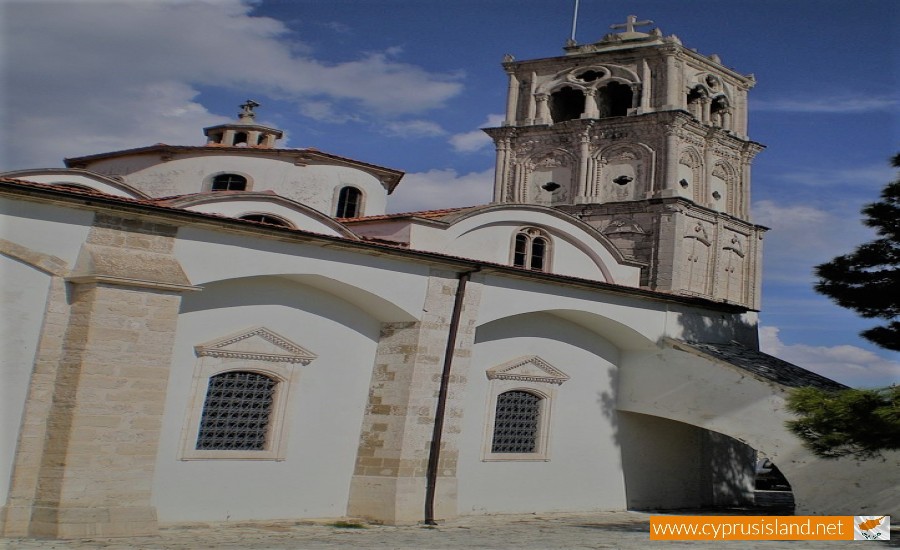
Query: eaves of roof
(388, 176)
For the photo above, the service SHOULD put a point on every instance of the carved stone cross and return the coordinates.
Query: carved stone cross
(247, 109)
(630, 23)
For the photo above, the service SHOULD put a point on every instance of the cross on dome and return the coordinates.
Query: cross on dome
(630, 23)
(247, 110)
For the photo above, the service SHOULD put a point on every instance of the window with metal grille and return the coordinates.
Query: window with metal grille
(229, 182)
(348, 202)
(531, 249)
(236, 412)
(516, 422)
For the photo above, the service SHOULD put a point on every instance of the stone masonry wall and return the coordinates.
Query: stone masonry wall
(389, 480)
(84, 466)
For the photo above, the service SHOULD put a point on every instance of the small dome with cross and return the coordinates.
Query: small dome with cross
(244, 132)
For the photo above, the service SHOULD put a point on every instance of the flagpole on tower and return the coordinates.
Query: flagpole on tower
(574, 21)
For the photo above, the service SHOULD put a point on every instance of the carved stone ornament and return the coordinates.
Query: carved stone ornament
(700, 233)
(256, 344)
(552, 161)
(735, 244)
(689, 159)
(529, 368)
(720, 171)
(623, 226)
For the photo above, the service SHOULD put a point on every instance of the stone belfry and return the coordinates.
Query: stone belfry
(646, 140)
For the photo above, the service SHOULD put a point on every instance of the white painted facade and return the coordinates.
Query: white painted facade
(124, 304)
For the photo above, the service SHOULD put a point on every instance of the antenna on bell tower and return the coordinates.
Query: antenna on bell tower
(574, 23)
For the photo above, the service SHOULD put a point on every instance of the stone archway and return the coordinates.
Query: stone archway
(739, 392)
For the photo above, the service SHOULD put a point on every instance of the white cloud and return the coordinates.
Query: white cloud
(469, 142)
(803, 236)
(326, 111)
(847, 364)
(128, 73)
(862, 177)
(442, 189)
(834, 105)
(414, 128)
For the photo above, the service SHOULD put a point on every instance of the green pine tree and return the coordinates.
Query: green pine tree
(868, 279)
(853, 422)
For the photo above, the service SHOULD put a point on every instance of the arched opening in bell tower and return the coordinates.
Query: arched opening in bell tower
(695, 101)
(566, 103)
(614, 99)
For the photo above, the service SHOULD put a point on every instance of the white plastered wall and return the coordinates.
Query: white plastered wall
(57, 177)
(235, 208)
(489, 236)
(389, 290)
(313, 184)
(44, 230)
(23, 301)
(323, 417)
(583, 470)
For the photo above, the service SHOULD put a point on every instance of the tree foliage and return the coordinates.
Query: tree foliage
(852, 422)
(868, 279)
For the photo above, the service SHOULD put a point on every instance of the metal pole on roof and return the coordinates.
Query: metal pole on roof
(574, 20)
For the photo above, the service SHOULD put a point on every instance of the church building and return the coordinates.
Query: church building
(238, 331)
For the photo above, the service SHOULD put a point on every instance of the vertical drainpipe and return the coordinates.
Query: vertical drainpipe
(435, 452)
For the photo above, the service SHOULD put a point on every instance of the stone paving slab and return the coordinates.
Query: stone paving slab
(602, 530)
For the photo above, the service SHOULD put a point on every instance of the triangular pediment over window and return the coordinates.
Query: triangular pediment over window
(256, 344)
(529, 368)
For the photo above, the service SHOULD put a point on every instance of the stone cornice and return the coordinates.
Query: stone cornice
(128, 281)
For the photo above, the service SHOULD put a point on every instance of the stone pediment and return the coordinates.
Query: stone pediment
(530, 368)
(256, 344)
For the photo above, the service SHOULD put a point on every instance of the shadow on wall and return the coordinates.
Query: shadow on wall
(672, 465)
(718, 328)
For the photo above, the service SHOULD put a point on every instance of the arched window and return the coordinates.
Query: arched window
(531, 250)
(349, 203)
(614, 99)
(567, 103)
(236, 412)
(265, 218)
(517, 419)
(229, 182)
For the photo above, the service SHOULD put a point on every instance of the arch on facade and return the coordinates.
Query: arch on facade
(621, 172)
(567, 103)
(746, 402)
(591, 92)
(78, 177)
(541, 168)
(557, 224)
(725, 180)
(234, 200)
(615, 336)
(690, 171)
(366, 300)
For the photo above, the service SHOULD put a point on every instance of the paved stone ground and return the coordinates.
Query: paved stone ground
(607, 530)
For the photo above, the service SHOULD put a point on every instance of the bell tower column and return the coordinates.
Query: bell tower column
(673, 79)
(512, 98)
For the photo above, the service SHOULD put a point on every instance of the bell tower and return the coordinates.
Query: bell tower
(646, 140)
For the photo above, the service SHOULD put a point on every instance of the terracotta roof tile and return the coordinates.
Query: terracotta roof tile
(428, 214)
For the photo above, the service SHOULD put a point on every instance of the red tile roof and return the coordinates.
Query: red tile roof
(427, 214)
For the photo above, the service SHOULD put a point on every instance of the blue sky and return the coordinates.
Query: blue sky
(408, 83)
